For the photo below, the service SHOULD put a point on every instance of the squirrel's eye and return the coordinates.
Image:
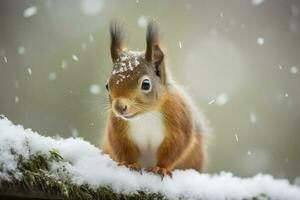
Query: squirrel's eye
(106, 86)
(146, 85)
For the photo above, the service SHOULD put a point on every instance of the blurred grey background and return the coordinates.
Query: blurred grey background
(240, 60)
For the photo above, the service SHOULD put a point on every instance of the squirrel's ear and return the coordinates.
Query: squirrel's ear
(117, 34)
(154, 54)
(158, 55)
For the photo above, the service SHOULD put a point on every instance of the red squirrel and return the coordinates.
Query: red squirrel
(152, 123)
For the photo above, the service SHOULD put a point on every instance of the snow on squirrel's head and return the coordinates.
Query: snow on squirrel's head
(138, 79)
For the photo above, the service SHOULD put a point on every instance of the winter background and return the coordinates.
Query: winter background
(240, 59)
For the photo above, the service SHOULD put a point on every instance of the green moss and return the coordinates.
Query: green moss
(38, 183)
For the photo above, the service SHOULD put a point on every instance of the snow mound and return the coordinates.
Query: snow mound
(87, 165)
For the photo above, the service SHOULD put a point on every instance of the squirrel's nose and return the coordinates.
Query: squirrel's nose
(123, 108)
(120, 106)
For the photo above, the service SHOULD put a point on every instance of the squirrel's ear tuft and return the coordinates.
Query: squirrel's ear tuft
(117, 34)
(153, 52)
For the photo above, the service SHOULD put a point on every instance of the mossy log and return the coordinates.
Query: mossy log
(37, 183)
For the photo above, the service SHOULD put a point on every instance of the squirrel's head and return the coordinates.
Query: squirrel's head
(138, 79)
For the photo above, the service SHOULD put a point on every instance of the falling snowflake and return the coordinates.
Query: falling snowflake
(21, 50)
(236, 137)
(29, 71)
(260, 41)
(29, 12)
(17, 99)
(52, 76)
(64, 64)
(5, 59)
(74, 132)
(142, 21)
(257, 2)
(294, 70)
(252, 117)
(95, 89)
(75, 58)
(180, 45)
(91, 7)
(91, 37)
(211, 102)
(222, 99)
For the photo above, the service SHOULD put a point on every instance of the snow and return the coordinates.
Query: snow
(95, 89)
(17, 99)
(91, 7)
(252, 117)
(74, 132)
(236, 137)
(257, 2)
(75, 58)
(64, 64)
(91, 37)
(222, 99)
(260, 41)
(125, 65)
(5, 59)
(29, 71)
(294, 70)
(211, 102)
(142, 21)
(180, 44)
(29, 12)
(21, 50)
(52, 76)
(87, 165)
(222, 15)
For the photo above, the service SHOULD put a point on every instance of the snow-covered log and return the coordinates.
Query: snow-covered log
(42, 167)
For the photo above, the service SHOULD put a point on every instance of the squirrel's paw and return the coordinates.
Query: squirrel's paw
(160, 171)
(132, 166)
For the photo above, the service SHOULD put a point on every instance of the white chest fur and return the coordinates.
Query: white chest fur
(147, 132)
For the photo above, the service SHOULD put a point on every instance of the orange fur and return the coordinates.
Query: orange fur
(182, 147)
